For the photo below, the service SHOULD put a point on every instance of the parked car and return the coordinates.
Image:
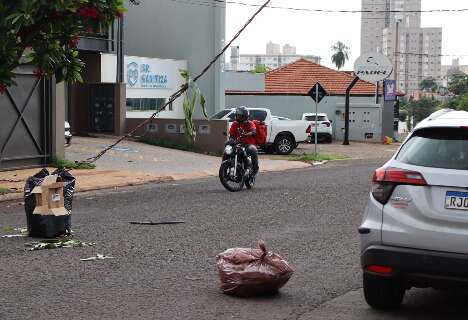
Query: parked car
(68, 135)
(282, 136)
(415, 228)
(324, 128)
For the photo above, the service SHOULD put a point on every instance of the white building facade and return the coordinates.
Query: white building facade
(150, 82)
(273, 59)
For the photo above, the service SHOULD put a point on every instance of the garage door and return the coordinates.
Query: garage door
(25, 124)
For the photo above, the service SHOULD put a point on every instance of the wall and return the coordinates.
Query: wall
(211, 134)
(179, 30)
(244, 81)
(365, 122)
(294, 106)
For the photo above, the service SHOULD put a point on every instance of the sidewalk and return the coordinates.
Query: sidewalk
(132, 163)
(356, 150)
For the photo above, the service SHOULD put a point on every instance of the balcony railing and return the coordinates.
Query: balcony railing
(99, 41)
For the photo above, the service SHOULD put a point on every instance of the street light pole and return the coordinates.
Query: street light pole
(397, 46)
(316, 117)
(120, 50)
(348, 93)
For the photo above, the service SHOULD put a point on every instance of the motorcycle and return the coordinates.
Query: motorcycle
(236, 168)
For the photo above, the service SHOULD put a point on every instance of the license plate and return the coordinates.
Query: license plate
(456, 200)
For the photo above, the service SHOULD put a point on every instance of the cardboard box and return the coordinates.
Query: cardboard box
(49, 197)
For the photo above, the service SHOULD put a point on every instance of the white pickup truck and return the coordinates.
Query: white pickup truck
(283, 136)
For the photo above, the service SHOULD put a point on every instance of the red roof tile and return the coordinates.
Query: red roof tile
(299, 77)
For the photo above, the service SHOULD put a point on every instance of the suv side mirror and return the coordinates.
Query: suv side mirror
(331, 121)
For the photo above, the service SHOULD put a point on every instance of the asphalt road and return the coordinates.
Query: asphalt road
(309, 216)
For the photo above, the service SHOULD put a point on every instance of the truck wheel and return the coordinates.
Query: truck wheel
(284, 145)
(382, 293)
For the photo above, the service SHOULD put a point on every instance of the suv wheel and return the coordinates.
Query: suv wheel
(382, 293)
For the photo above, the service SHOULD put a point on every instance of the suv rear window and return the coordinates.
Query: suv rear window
(312, 118)
(445, 148)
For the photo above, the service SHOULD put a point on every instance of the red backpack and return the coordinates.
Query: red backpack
(261, 135)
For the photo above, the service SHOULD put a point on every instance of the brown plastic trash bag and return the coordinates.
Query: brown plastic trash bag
(249, 272)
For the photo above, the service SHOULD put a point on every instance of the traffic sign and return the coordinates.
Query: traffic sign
(317, 96)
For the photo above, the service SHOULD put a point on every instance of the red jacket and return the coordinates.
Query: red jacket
(247, 126)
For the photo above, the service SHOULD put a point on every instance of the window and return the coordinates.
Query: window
(437, 148)
(312, 118)
(145, 104)
(259, 115)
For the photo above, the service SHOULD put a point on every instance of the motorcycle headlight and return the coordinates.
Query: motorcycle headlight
(228, 150)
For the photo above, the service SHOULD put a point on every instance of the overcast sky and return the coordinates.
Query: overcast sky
(314, 33)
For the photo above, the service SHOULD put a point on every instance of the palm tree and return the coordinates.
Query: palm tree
(341, 54)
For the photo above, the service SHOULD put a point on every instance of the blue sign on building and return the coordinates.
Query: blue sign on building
(390, 92)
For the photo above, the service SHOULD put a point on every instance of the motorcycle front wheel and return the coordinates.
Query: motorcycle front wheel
(230, 182)
(250, 182)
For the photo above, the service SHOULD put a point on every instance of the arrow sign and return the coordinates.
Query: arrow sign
(321, 92)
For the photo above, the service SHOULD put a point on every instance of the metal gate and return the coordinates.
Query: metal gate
(25, 122)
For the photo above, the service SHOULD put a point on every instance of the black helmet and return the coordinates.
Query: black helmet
(242, 114)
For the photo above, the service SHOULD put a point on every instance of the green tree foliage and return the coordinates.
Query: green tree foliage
(428, 84)
(45, 33)
(419, 110)
(192, 96)
(458, 84)
(457, 103)
(340, 55)
(403, 115)
(261, 69)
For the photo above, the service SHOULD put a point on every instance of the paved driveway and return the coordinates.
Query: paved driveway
(157, 161)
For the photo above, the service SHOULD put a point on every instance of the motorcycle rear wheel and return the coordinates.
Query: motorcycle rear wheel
(224, 177)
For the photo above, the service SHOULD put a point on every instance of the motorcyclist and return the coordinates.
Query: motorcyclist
(244, 130)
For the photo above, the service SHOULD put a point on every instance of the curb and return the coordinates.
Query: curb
(164, 179)
(19, 195)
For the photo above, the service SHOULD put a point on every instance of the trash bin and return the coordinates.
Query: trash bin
(48, 202)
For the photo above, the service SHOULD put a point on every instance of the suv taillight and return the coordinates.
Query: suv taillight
(309, 129)
(386, 179)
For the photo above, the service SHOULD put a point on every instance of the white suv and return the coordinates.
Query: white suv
(415, 228)
(324, 128)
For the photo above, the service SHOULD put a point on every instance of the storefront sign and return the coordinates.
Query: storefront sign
(373, 67)
(147, 73)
